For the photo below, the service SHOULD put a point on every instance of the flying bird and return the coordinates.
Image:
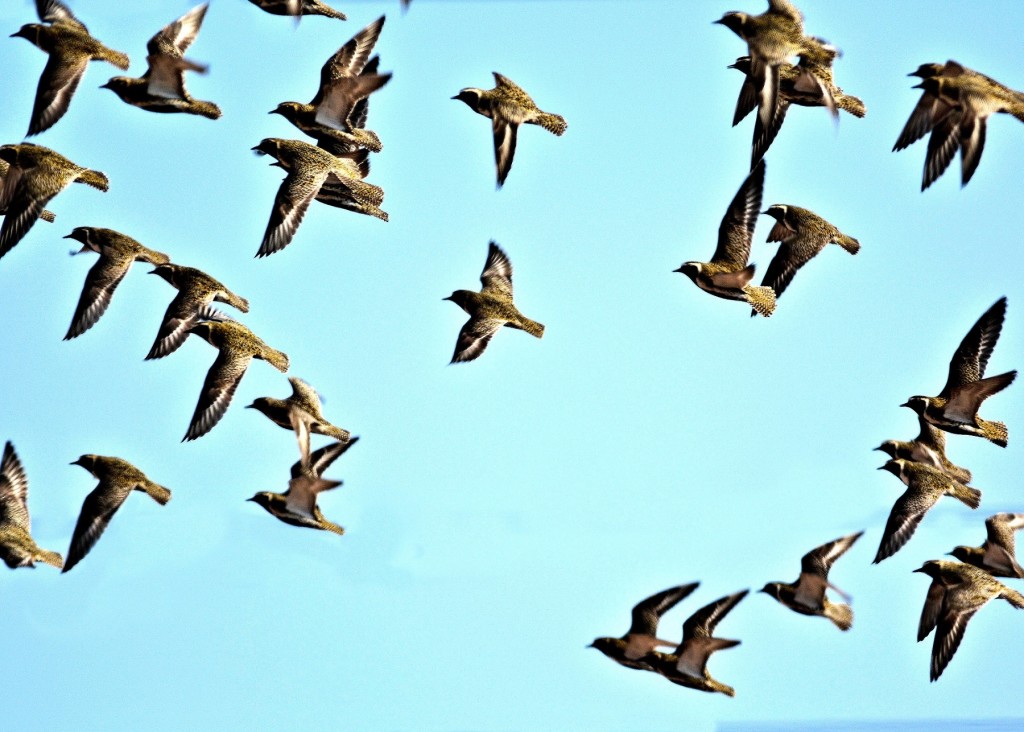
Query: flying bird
(801, 234)
(688, 664)
(236, 346)
(957, 592)
(45, 215)
(298, 8)
(508, 106)
(117, 254)
(162, 87)
(925, 486)
(309, 168)
(117, 479)
(728, 275)
(332, 116)
(196, 290)
(997, 555)
(929, 447)
(955, 409)
(17, 547)
(490, 308)
(70, 48)
(632, 649)
(301, 412)
(35, 174)
(297, 506)
(807, 595)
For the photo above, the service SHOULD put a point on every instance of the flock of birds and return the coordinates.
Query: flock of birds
(954, 106)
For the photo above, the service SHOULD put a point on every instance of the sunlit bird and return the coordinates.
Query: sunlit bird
(997, 555)
(929, 447)
(298, 8)
(17, 547)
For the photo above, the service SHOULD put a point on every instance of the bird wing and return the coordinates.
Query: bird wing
(474, 337)
(906, 514)
(97, 510)
(764, 134)
(972, 355)
(13, 490)
(648, 611)
(786, 8)
(747, 101)
(972, 143)
(781, 269)
(703, 622)
(166, 77)
(737, 228)
(931, 436)
(505, 134)
(507, 83)
(932, 607)
(497, 273)
(181, 315)
(357, 119)
(929, 111)
(320, 460)
(340, 97)
(964, 400)
(25, 193)
(819, 561)
(53, 11)
(57, 84)
(219, 387)
(299, 419)
(176, 37)
(950, 631)
(297, 191)
(350, 59)
(101, 281)
(1001, 528)
(942, 146)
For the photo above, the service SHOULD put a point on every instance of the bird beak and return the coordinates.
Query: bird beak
(446, 298)
(918, 86)
(919, 569)
(877, 448)
(905, 404)
(455, 97)
(717, 22)
(250, 406)
(882, 467)
(251, 499)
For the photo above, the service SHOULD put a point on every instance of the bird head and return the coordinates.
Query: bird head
(262, 498)
(772, 588)
(88, 462)
(888, 447)
(271, 146)
(288, 110)
(261, 405)
(927, 71)
(167, 271)
(85, 235)
(734, 21)
(932, 568)
(917, 403)
(690, 269)
(742, 64)
(117, 84)
(895, 467)
(470, 96)
(30, 32)
(605, 645)
(777, 211)
(462, 298)
(962, 553)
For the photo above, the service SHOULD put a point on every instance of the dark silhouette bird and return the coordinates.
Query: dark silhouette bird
(35, 174)
(297, 506)
(997, 555)
(490, 308)
(331, 117)
(236, 346)
(925, 486)
(957, 592)
(117, 254)
(508, 106)
(162, 87)
(17, 547)
(309, 168)
(301, 412)
(728, 275)
(70, 47)
(955, 409)
(196, 290)
(117, 479)
(929, 447)
(298, 8)
(632, 649)
(802, 234)
(807, 595)
(688, 664)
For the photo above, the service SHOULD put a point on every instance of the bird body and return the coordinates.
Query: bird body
(34, 175)
(508, 106)
(929, 447)
(162, 87)
(728, 275)
(957, 592)
(17, 547)
(997, 555)
(489, 309)
(118, 478)
(302, 412)
(807, 595)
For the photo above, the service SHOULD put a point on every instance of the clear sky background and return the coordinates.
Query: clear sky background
(501, 514)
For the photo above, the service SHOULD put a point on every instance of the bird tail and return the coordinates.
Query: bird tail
(761, 298)
(206, 109)
(120, 60)
(994, 431)
(530, 326)
(48, 216)
(153, 256)
(53, 558)
(277, 359)
(967, 494)
(337, 433)
(716, 685)
(329, 12)
(852, 104)
(94, 178)
(157, 492)
(848, 243)
(554, 123)
(840, 614)
(1013, 597)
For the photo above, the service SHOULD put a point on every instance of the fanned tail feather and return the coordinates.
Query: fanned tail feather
(94, 178)
(48, 215)
(840, 614)
(52, 558)
(852, 104)
(554, 123)
(761, 298)
(158, 493)
(848, 243)
(206, 109)
(994, 432)
(968, 495)
(120, 60)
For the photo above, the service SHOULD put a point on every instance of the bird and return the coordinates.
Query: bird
(298, 8)
(929, 447)
(772, 37)
(70, 48)
(809, 83)
(632, 649)
(237, 346)
(297, 506)
(801, 234)
(508, 106)
(925, 486)
(35, 174)
(117, 254)
(996, 556)
(688, 664)
(301, 412)
(957, 592)
(117, 479)
(807, 595)
(955, 409)
(17, 547)
(45, 215)
(162, 87)
(728, 275)
(196, 290)
(330, 117)
(490, 308)
(309, 167)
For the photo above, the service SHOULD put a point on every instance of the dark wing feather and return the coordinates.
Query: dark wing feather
(474, 337)
(57, 84)
(97, 510)
(903, 520)
(505, 134)
(13, 489)
(219, 387)
(497, 273)
(702, 623)
(100, 283)
(648, 611)
(737, 228)
(949, 633)
(972, 355)
(932, 607)
(320, 460)
(297, 191)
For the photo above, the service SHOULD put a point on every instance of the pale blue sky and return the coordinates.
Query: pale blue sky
(501, 514)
